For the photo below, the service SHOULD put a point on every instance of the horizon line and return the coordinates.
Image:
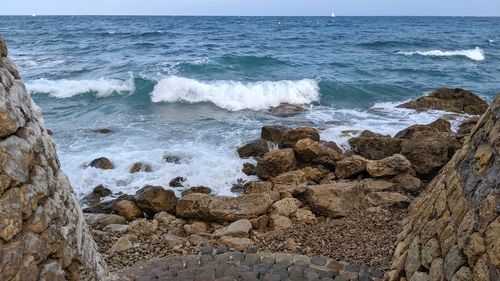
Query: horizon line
(193, 15)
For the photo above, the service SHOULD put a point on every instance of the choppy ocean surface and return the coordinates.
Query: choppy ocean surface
(198, 87)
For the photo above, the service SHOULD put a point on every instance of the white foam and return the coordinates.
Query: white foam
(234, 95)
(476, 54)
(67, 88)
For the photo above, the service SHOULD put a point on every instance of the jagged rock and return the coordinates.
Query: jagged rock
(273, 133)
(293, 182)
(196, 227)
(239, 228)
(328, 155)
(238, 186)
(249, 169)
(155, 199)
(3, 48)
(143, 227)
(337, 199)
(389, 166)
(350, 166)
(173, 159)
(255, 148)
(440, 125)
(108, 206)
(453, 100)
(285, 207)
(388, 199)
(286, 110)
(306, 150)
(276, 162)
(304, 216)
(102, 163)
(222, 208)
(466, 126)
(177, 182)
(375, 147)
(239, 244)
(128, 210)
(197, 189)
(315, 174)
(260, 223)
(96, 195)
(278, 222)
(257, 187)
(140, 167)
(11, 220)
(292, 136)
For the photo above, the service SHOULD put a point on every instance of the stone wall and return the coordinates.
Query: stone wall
(43, 235)
(453, 230)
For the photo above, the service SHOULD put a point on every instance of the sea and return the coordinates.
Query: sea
(199, 87)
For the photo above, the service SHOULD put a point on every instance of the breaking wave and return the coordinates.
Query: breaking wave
(476, 54)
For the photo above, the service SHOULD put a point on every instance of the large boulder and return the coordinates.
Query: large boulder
(453, 100)
(128, 210)
(102, 163)
(375, 147)
(239, 228)
(155, 199)
(294, 182)
(292, 136)
(276, 162)
(255, 148)
(257, 187)
(350, 166)
(337, 199)
(440, 125)
(306, 150)
(223, 208)
(273, 133)
(328, 155)
(389, 166)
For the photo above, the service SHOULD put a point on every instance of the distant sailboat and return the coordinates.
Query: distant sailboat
(333, 14)
(33, 15)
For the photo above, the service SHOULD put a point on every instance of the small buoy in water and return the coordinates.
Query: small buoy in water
(279, 23)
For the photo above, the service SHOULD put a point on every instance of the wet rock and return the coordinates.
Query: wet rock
(273, 133)
(177, 182)
(249, 169)
(278, 222)
(466, 127)
(102, 130)
(257, 187)
(239, 244)
(292, 136)
(128, 210)
(350, 166)
(286, 110)
(155, 199)
(388, 199)
(223, 208)
(337, 199)
(306, 150)
(95, 196)
(389, 166)
(276, 162)
(140, 167)
(197, 189)
(49, 132)
(238, 186)
(173, 159)
(255, 148)
(440, 125)
(239, 228)
(102, 191)
(107, 207)
(453, 100)
(375, 147)
(102, 163)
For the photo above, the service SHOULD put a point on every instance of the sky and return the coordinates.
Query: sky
(254, 7)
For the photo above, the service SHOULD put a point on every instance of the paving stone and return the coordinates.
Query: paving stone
(251, 259)
(207, 250)
(318, 260)
(221, 249)
(206, 259)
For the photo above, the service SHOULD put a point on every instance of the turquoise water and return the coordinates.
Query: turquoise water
(198, 87)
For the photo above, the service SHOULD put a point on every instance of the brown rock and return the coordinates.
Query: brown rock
(197, 189)
(257, 187)
(102, 163)
(239, 228)
(293, 182)
(408, 183)
(440, 125)
(388, 199)
(466, 126)
(222, 208)
(249, 169)
(306, 150)
(328, 156)
(375, 147)
(304, 216)
(278, 222)
(196, 227)
(99, 221)
(350, 166)
(453, 100)
(273, 133)
(140, 167)
(128, 210)
(286, 110)
(177, 182)
(3, 48)
(102, 130)
(155, 199)
(11, 220)
(143, 227)
(255, 148)
(286, 207)
(123, 244)
(315, 174)
(276, 162)
(337, 199)
(260, 223)
(388, 166)
(453, 261)
(292, 136)
(239, 244)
